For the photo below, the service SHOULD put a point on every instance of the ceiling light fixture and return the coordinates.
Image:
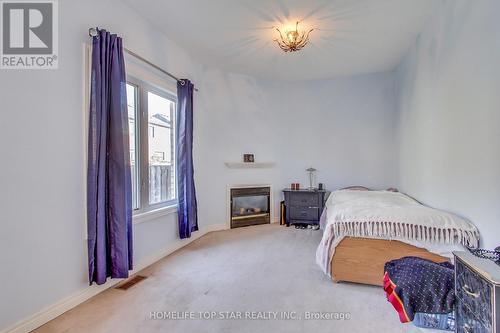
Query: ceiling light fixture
(293, 40)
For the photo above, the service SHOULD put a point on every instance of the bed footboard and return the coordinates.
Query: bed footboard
(361, 260)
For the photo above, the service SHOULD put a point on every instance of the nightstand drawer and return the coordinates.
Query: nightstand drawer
(303, 222)
(304, 199)
(474, 292)
(304, 213)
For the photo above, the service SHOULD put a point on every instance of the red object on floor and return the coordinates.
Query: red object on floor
(393, 298)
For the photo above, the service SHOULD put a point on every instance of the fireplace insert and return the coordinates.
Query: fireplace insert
(250, 206)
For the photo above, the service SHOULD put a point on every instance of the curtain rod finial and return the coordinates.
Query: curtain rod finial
(93, 32)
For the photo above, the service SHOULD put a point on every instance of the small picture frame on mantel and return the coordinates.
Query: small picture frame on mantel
(248, 158)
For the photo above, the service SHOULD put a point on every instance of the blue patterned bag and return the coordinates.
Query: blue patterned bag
(436, 321)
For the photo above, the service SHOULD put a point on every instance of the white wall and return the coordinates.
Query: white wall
(343, 127)
(450, 114)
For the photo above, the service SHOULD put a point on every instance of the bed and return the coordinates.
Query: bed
(363, 229)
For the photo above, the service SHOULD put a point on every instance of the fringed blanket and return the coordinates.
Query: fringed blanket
(419, 285)
(392, 216)
(398, 230)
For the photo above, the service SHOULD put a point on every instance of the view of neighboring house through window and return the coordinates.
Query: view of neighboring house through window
(161, 152)
(151, 128)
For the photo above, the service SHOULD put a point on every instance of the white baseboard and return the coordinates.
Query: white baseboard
(58, 308)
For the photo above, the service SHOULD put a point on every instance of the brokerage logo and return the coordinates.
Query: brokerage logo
(29, 34)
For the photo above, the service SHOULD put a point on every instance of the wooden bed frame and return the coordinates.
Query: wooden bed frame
(361, 260)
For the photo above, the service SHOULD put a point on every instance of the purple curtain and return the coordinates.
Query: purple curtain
(109, 189)
(187, 207)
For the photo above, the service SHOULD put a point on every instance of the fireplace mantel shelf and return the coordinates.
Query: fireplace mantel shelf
(249, 165)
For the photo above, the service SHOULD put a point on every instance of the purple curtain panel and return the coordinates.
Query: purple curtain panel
(187, 206)
(109, 189)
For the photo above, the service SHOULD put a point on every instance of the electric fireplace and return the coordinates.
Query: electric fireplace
(250, 206)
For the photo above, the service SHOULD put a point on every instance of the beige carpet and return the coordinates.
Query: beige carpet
(263, 269)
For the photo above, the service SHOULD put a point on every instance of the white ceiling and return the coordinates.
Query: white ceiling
(350, 37)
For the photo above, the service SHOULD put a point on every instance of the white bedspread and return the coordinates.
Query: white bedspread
(392, 216)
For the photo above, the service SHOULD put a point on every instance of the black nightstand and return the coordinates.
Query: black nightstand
(304, 206)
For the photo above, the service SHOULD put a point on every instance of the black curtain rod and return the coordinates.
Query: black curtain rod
(93, 32)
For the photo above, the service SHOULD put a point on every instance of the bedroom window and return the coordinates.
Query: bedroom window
(152, 151)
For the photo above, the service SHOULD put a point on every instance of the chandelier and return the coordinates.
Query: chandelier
(293, 40)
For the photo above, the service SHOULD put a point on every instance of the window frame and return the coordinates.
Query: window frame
(142, 144)
(137, 181)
